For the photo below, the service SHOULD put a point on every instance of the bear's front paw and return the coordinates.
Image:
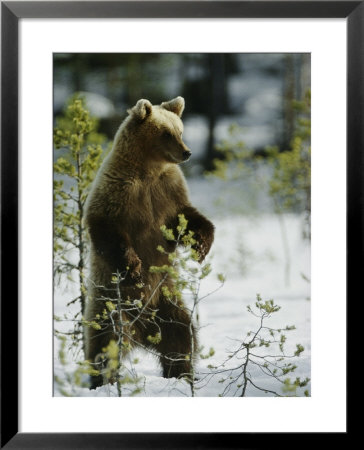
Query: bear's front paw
(133, 265)
(202, 247)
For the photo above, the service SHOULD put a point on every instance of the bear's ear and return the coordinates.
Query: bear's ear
(176, 105)
(142, 109)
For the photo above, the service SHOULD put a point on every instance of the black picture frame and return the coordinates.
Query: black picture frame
(11, 12)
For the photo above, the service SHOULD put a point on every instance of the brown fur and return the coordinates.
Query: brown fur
(139, 188)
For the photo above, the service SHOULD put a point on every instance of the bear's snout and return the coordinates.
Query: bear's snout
(186, 154)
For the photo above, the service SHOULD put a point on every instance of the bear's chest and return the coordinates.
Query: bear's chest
(154, 203)
(161, 203)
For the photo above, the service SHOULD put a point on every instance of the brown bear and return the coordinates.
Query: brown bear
(139, 188)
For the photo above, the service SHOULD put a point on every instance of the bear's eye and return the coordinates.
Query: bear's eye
(167, 134)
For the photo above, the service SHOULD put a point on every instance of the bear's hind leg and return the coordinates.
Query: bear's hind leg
(178, 343)
(96, 342)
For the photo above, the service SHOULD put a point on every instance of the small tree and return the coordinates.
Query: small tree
(290, 183)
(76, 138)
(251, 353)
(187, 275)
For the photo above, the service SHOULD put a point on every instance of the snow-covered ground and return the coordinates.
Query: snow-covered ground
(249, 252)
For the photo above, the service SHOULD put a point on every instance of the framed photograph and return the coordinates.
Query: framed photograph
(169, 239)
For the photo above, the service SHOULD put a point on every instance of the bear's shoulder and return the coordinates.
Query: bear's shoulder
(173, 176)
(173, 171)
(174, 183)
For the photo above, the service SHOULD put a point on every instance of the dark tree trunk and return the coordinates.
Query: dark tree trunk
(216, 64)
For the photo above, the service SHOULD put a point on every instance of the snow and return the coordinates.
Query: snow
(248, 250)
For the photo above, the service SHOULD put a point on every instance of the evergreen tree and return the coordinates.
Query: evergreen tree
(76, 138)
(290, 184)
(284, 174)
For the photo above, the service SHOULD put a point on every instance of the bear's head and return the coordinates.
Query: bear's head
(158, 129)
